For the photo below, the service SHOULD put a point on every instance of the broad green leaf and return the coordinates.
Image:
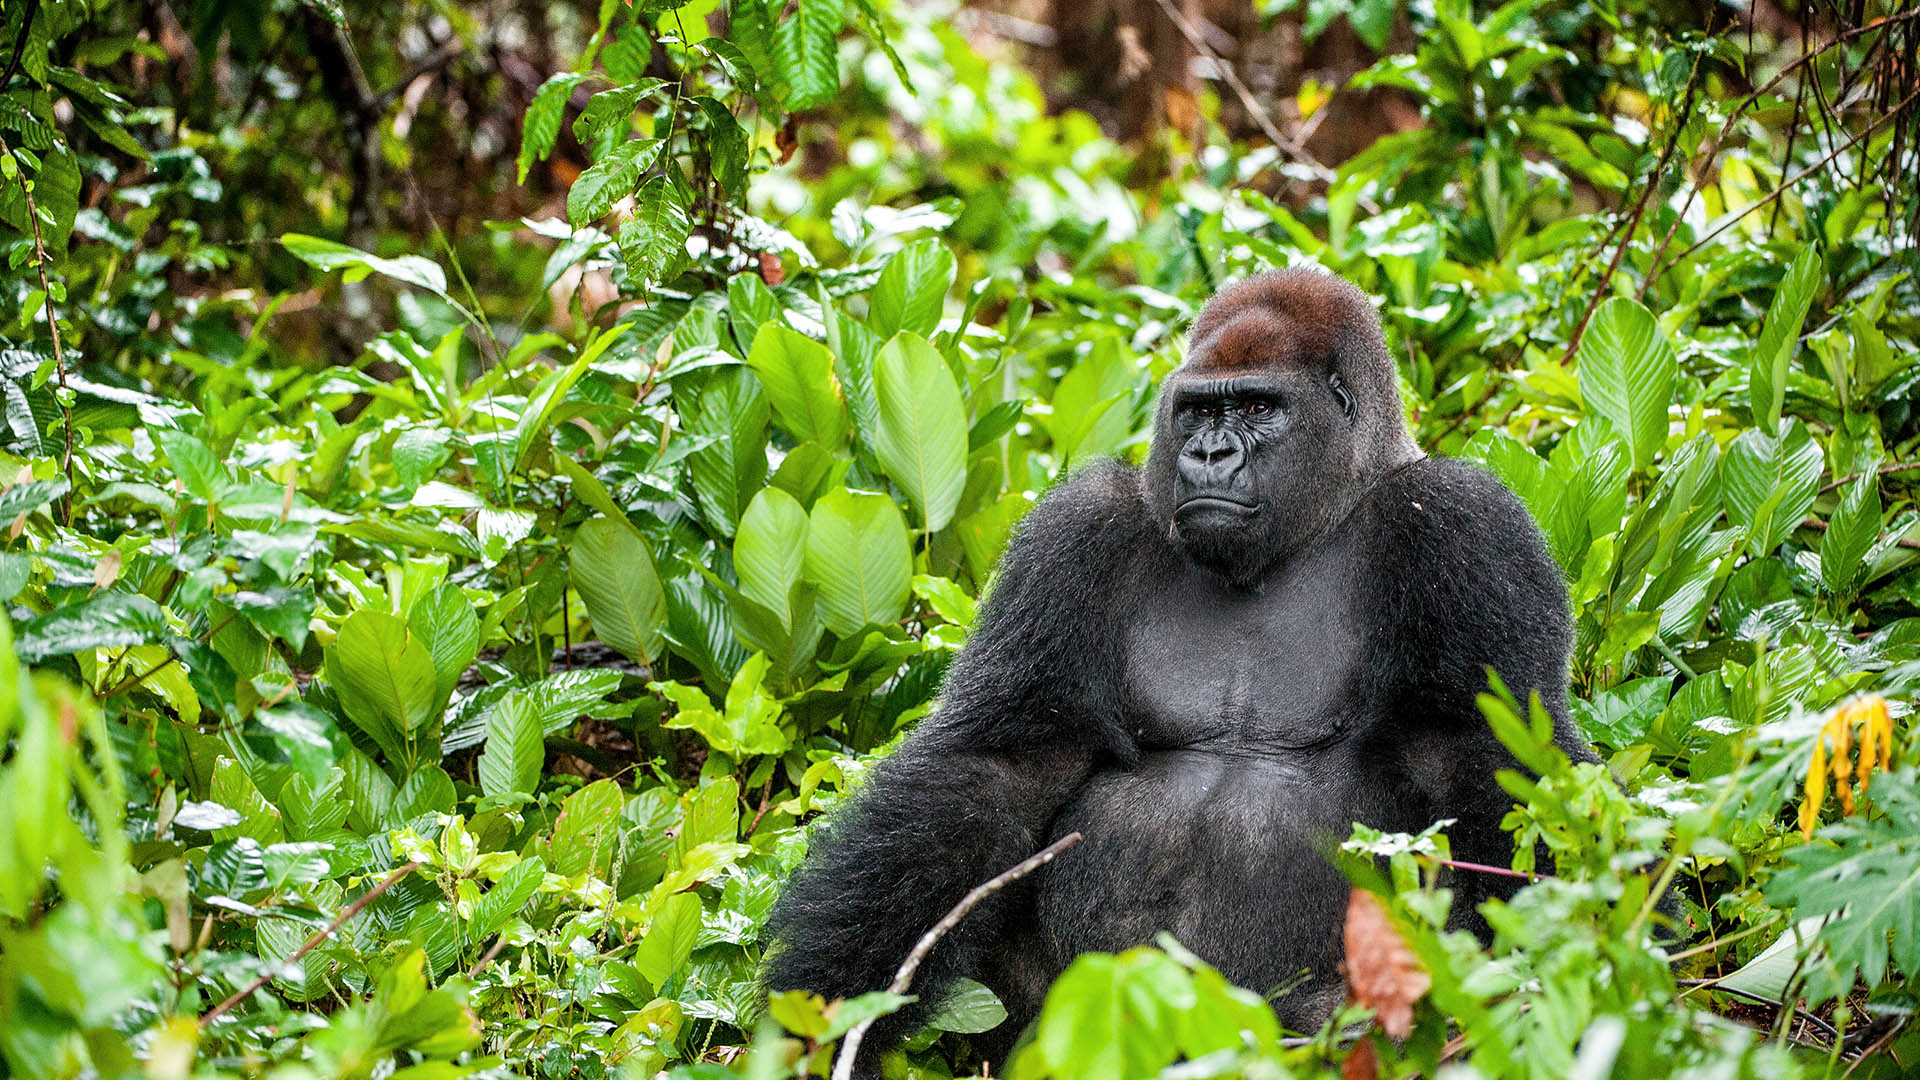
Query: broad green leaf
(329, 255)
(385, 679)
(806, 53)
(529, 432)
(611, 179)
(750, 306)
(107, 620)
(653, 242)
(670, 938)
(750, 723)
(609, 115)
(1780, 337)
(912, 290)
(709, 814)
(1770, 483)
(922, 437)
(1627, 372)
(730, 411)
(505, 899)
(612, 568)
(542, 124)
(196, 466)
(969, 1008)
(584, 833)
(1851, 531)
(515, 751)
(1093, 405)
(769, 552)
(860, 557)
(443, 619)
(727, 141)
(797, 373)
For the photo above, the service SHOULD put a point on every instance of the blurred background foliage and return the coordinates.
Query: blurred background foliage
(479, 477)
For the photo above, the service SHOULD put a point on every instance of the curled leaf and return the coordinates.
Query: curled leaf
(1382, 972)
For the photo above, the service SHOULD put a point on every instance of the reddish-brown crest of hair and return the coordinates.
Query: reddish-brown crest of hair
(1288, 318)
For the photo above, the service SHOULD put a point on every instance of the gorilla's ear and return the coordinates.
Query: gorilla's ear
(1339, 387)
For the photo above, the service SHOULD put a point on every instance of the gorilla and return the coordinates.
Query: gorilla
(1212, 668)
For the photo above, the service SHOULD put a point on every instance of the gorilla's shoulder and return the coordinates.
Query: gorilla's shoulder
(1099, 509)
(1449, 503)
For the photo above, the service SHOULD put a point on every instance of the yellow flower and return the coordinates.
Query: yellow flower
(1833, 755)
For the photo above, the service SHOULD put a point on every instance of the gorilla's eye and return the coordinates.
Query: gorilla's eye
(1259, 409)
(1339, 388)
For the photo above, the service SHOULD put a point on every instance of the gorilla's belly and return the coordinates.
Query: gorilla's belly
(1225, 852)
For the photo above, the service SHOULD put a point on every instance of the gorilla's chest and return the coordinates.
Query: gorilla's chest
(1266, 672)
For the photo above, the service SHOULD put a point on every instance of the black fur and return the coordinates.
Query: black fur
(1211, 669)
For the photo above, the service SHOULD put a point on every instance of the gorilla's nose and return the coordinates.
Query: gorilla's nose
(1211, 459)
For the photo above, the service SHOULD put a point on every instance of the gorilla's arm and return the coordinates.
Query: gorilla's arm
(1029, 705)
(1465, 582)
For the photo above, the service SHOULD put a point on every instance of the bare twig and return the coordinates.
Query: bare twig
(53, 318)
(1885, 470)
(311, 943)
(1817, 525)
(20, 42)
(1261, 116)
(1878, 1045)
(850, 1046)
(1802, 1014)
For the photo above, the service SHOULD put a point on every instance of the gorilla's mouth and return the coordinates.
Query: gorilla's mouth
(1217, 504)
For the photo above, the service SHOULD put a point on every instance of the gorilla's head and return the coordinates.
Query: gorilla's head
(1285, 411)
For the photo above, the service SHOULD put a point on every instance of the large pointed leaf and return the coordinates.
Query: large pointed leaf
(922, 437)
(912, 290)
(330, 255)
(385, 679)
(806, 53)
(614, 573)
(109, 620)
(1093, 405)
(859, 555)
(611, 179)
(769, 554)
(443, 619)
(653, 242)
(542, 124)
(1780, 337)
(1627, 371)
(797, 373)
(506, 898)
(1770, 483)
(1851, 531)
(730, 410)
(515, 749)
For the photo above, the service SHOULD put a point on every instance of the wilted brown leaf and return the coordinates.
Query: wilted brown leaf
(1382, 972)
(1362, 1064)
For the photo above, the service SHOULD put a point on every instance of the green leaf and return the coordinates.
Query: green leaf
(912, 290)
(859, 554)
(653, 242)
(108, 620)
(515, 751)
(613, 570)
(529, 432)
(670, 938)
(1093, 405)
(1780, 337)
(584, 833)
(609, 114)
(806, 53)
(727, 143)
(1851, 532)
(969, 1008)
(443, 619)
(797, 373)
(385, 680)
(1627, 372)
(611, 179)
(328, 255)
(1770, 483)
(769, 552)
(505, 899)
(193, 463)
(921, 441)
(730, 411)
(542, 124)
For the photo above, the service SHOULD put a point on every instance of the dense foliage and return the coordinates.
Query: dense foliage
(425, 648)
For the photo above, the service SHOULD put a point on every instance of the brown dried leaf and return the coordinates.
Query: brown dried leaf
(771, 271)
(1362, 1064)
(1382, 972)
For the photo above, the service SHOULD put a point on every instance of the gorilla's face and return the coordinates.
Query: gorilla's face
(1283, 415)
(1252, 465)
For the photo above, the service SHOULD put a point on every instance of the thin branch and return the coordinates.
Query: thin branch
(850, 1046)
(20, 42)
(1817, 525)
(1710, 984)
(1885, 470)
(311, 943)
(53, 318)
(1259, 112)
(1878, 1045)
